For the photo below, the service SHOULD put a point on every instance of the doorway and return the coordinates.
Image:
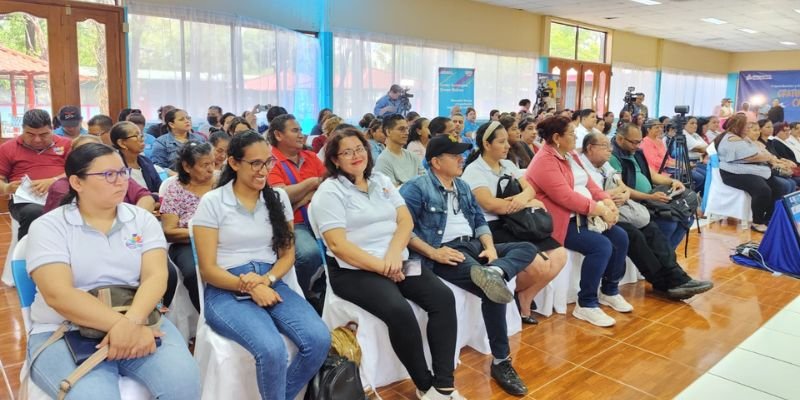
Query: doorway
(583, 84)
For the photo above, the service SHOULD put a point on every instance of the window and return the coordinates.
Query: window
(577, 43)
(701, 92)
(643, 79)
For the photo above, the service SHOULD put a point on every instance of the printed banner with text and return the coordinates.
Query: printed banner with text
(456, 88)
(760, 88)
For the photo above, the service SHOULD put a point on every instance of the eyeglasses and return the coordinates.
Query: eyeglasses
(112, 175)
(453, 195)
(138, 136)
(633, 142)
(258, 165)
(350, 153)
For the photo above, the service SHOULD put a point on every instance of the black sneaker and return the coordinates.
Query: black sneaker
(492, 284)
(508, 379)
(689, 289)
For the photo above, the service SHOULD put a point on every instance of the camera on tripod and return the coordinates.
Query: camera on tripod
(405, 104)
(629, 99)
(676, 148)
(543, 91)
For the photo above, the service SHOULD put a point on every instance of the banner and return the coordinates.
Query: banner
(456, 88)
(548, 91)
(760, 88)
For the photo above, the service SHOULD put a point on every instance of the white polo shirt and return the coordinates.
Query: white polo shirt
(478, 174)
(95, 258)
(244, 236)
(369, 219)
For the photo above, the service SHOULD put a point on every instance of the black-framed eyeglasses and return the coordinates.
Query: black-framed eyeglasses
(350, 153)
(112, 175)
(633, 142)
(258, 165)
(138, 136)
(454, 203)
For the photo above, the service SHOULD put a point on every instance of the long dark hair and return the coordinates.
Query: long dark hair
(413, 130)
(479, 139)
(332, 151)
(282, 236)
(189, 153)
(78, 163)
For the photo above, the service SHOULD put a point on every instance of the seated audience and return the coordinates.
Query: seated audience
(138, 120)
(485, 167)
(648, 247)
(299, 172)
(100, 125)
(226, 119)
(321, 117)
(160, 128)
(458, 120)
(654, 148)
(366, 226)
(166, 146)
(195, 167)
(366, 121)
(530, 137)
(697, 150)
(251, 117)
(519, 153)
(237, 125)
(243, 236)
(128, 140)
(494, 115)
(586, 119)
(273, 113)
(794, 139)
(418, 137)
(136, 194)
(443, 126)
(328, 127)
(470, 124)
(412, 116)
(219, 140)
(377, 140)
(779, 142)
(784, 168)
(397, 163)
(213, 122)
(96, 240)
(712, 129)
(36, 155)
(70, 119)
(584, 219)
(452, 237)
(599, 126)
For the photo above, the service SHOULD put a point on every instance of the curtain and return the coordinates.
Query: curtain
(366, 65)
(192, 59)
(627, 75)
(700, 91)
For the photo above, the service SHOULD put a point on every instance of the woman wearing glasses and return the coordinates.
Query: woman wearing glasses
(245, 245)
(127, 138)
(95, 240)
(365, 224)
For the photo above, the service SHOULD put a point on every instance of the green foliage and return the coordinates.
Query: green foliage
(14, 33)
(562, 41)
(591, 44)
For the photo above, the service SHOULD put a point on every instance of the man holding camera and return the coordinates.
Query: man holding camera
(639, 105)
(390, 103)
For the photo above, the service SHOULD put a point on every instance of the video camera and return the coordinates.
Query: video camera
(543, 91)
(405, 104)
(629, 99)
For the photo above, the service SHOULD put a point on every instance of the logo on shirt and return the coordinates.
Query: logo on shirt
(135, 242)
(59, 150)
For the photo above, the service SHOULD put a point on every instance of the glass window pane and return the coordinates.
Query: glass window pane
(562, 41)
(591, 45)
(92, 68)
(587, 93)
(24, 69)
(571, 96)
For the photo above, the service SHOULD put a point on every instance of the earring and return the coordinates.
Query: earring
(558, 145)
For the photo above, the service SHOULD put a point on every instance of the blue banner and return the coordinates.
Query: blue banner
(760, 88)
(456, 88)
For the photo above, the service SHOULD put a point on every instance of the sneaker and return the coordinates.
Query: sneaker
(760, 228)
(617, 302)
(593, 315)
(492, 284)
(508, 379)
(689, 289)
(433, 394)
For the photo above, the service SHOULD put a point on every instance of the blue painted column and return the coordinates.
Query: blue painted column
(325, 73)
(658, 95)
(127, 58)
(733, 81)
(544, 65)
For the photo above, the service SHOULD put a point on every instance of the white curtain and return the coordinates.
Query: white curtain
(192, 59)
(700, 91)
(366, 65)
(624, 76)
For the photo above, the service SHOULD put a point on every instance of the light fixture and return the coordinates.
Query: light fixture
(714, 21)
(746, 30)
(797, 10)
(789, 43)
(647, 2)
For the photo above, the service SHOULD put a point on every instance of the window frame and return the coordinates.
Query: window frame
(578, 28)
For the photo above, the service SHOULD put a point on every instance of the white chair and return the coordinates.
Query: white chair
(723, 200)
(181, 310)
(26, 289)
(228, 370)
(8, 278)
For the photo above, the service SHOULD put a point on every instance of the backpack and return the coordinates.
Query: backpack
(337, 379)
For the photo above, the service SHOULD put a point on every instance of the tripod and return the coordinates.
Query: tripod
(683, 167)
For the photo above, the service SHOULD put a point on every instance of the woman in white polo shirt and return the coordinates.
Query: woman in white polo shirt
(245, 245)
(365, 224)
(95, 240)
(484, 168)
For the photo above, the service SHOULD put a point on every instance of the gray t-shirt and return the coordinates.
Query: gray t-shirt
(732, 153)
(400, 169)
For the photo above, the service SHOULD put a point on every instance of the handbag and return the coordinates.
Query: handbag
(339, 377)
(528, 224)
(630, 212)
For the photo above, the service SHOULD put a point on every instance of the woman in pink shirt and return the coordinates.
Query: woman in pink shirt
(653, 146)
(563, 185)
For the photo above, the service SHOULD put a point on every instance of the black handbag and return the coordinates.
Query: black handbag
(527, 224)
(337, 379)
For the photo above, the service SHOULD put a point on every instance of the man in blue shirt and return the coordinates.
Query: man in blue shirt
(70, 118)
(389, 103)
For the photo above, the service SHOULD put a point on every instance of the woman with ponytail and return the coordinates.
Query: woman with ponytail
(245, 246)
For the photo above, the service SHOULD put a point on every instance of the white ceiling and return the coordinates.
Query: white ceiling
(679, 20)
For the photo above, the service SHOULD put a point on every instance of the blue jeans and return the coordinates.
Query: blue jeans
(308, 261)
(169, 373)
(259, 329)
(672, 230)
(604, 260)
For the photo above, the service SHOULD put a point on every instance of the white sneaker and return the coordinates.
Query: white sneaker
(432, 394)
(593, 315)
(617, 302)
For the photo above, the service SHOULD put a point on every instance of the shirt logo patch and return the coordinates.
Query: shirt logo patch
(58, 150)
(135, 242)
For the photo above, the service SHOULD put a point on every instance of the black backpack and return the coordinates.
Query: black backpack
(337, 379)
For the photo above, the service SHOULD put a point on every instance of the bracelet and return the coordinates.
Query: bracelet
(136, 321)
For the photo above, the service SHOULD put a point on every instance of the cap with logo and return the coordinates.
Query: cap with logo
(70, 116)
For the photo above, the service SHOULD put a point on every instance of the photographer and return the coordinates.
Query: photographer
(392, 103)
(639, 106)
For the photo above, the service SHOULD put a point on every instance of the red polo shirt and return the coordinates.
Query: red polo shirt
(18, 160)
(310, 167)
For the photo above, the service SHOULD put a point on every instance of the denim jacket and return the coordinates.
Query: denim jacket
(426, 200)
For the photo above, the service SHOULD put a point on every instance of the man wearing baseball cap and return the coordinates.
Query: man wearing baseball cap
(452, 238)
(70, 119)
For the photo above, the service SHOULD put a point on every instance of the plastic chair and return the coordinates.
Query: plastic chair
(181, 310)
(8, 278)
(26, 290)
(723, 200)
(228, 370)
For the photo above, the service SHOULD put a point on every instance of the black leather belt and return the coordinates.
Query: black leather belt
(461, 239)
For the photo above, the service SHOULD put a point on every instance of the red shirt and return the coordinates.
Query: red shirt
(60, 188)
(18, 160)
(310, 167)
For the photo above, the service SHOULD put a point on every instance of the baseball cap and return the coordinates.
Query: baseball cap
(444, 144)
(70, 116)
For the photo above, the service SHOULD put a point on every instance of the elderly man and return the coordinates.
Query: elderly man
(648, 247)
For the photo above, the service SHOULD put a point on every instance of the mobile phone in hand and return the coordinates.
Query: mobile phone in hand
(412, 267)
(242, 296)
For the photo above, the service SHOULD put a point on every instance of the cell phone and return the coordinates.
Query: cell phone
(412, 267)
(242, 296)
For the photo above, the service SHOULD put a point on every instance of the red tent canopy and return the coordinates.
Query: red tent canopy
(14, 62)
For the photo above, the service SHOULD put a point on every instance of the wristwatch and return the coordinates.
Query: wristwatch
(272, 279)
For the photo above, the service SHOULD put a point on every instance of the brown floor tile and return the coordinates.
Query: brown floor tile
(646, 304)
(562, 339)
(12, 348)
(535, 366)
(627, 324)
(733, 307)
(582, 384)
(741, 287)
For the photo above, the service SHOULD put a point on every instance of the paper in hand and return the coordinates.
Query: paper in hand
(26, 194)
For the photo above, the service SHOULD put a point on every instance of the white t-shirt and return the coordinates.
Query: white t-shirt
(369, 219)
(95, 258)
(596, 174)
(581, 178)
(138, 177)
(692, 141)
(478, 174)
(457, 224)
(580, 133)
(244, 236)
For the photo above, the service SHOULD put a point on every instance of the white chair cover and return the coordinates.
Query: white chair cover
(724, 200)
(181, 310)
(7, 278)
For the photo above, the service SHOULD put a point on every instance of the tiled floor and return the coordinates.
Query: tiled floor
(655, 352)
